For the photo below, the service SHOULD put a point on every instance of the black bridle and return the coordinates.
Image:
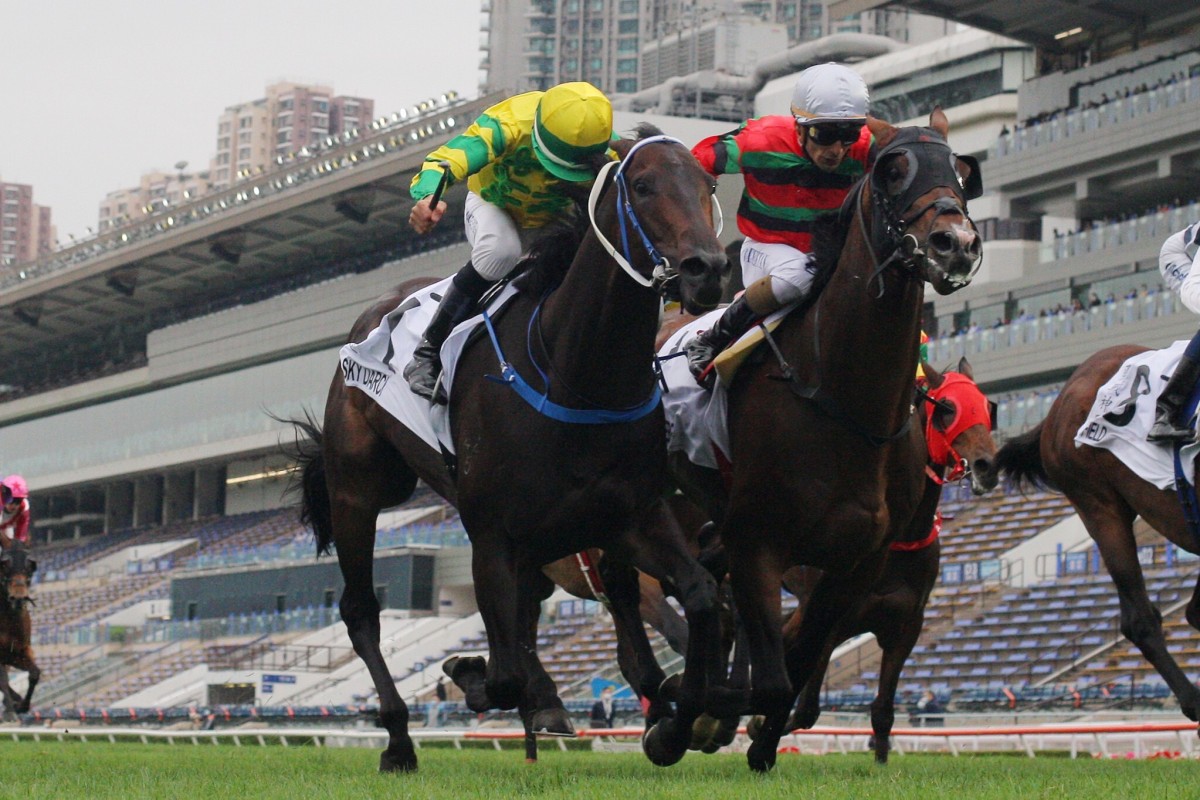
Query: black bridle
(930, 157)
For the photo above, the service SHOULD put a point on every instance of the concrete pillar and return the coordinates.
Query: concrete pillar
(210, 491)
(118, 506)
(147, 500)
(179, 495)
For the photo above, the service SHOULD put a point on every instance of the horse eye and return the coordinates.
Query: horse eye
(641, 187)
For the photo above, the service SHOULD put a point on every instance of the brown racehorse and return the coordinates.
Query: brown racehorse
(827, 466)
(1108, 496)
(16, 571)
(958, 432)
(532, 489)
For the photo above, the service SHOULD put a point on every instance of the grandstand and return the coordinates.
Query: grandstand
(142, 362)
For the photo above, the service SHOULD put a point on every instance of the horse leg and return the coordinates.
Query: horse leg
(834, 601)
(658, 548)
(499, 597)
(896, 651)
(1141, 622)
(24, 661)
(10, 712)
(626, 598)
(757, 579)
(661, 615)
(546, 713)
(355, 527)
(28, 664)
(739, 673)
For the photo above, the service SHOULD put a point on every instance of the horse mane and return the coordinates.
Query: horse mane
(549, 257)
(828, 238)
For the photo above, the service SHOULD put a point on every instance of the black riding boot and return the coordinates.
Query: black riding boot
(1169, 426)
(701, 350)
(458, 304)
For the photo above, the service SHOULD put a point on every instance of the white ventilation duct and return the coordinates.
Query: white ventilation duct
(838, 47)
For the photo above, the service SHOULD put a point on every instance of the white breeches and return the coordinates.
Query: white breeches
(496, 241)
(787, 266)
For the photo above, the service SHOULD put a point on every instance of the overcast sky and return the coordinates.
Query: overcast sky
(95, 94)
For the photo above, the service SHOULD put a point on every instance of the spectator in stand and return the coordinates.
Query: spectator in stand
(603, 709)
(928, 712)
(14, 517)
(435, 705)
(1094, 300)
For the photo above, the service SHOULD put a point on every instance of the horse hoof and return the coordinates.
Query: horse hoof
(669, 689)
(726, 733)
(655, 746)
(802, 720)
(402, 762)
(703, 731)
(456, 667)
(761, 758)
(469, 674)
(552, 722)
(754, 726)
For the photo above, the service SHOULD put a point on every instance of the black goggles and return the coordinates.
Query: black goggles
(825, 134)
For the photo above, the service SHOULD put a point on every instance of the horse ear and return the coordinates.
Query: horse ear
(939, 122)
(621, 146)
(932, 375)
(882, 131)
(964, 367)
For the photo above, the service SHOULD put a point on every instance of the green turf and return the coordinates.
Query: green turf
(94, 770)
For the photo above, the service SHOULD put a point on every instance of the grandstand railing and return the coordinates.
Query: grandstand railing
(1087, 561)
(1031, 331)
(1139, 740)
(1152, 227)
(441, 534)
(178, 630)
(299, 658)
(1077, 121)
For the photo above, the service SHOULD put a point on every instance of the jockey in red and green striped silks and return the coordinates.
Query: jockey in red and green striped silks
(796, 168)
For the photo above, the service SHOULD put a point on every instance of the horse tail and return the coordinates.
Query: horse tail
(309, 484)
(1020, 460)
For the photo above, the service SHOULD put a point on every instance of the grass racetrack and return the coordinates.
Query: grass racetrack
(95, 770)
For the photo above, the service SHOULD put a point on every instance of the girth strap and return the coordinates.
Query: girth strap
(591, 574)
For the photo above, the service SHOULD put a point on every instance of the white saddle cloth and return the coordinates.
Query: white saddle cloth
(697, 421)
(376, 364)
(1123, 414)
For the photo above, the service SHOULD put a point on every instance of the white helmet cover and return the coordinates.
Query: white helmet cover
(830, 93)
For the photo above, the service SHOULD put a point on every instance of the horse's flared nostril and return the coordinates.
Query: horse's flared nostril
(944, 242)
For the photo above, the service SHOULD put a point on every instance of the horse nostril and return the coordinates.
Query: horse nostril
(943, 241)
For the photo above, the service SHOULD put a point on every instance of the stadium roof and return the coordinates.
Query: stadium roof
(344, 215)
(1054, 25)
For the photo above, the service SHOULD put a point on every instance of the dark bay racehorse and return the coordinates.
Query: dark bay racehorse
(1108, 496)
(958, 430)
(16, 571)
(827, 465)
(531, 489)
